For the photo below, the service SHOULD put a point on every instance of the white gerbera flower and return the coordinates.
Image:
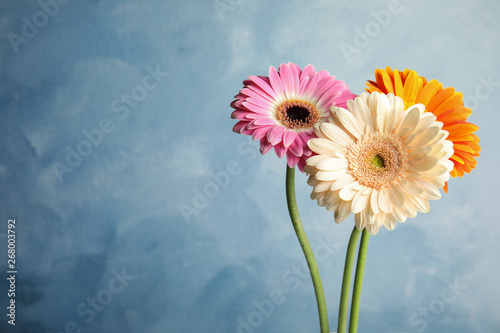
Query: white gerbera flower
(378, 161)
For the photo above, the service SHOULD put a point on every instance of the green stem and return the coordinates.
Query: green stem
(358, 282)
(346, 280)
(306, 248)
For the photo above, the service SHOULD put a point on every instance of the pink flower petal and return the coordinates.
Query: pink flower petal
(257, 93)
(323, 85)
(307, 72)
(239, 126)
(246, 131)
(343, 98)
(302, 163)
(287, 77)
(260, 102)
(305, 137)
(275, 135)
(237, 103)
(289, 137)
(327, 99)
(292, 159)
(252, 115)
(239, 114)
(296, 75)
(280, 150)
(240, 96)
(264, 86)
(255, 108)
(308, 87)
(260, 132)
(265, 146)
(264, 121)
(276, 83)
(297, 147)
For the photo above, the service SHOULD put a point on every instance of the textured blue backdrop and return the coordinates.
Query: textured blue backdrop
(115, 127)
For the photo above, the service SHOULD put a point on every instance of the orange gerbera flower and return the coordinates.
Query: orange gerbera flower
(446, 104)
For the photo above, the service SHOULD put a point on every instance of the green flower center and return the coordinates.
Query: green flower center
(378, 161)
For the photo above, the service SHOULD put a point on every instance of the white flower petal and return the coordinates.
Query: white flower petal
(341, 182)
(322, 186)
(421, 204)
(323, 147)
(314, 160)
(422, 164)
(437, 170)
(390, 222)
(397, 196)
(360, 202)
(408, 139)
(361, 111)
(332, 164)
(328, 175)
(426, 136)
(348, 192)
(373, 228)
(390, 122)
(410, 120)
(332, 200)
(335, 134)
(384, 201)
(344, 210)
(436, 181)
(402, 133)
(398, 215)
(374, 201)
(410, 186)
(361, 221)
(420, 152)
(430, 191)
(350, 122)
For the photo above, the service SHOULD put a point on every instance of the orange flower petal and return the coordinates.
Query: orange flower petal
(428, 91)
(398, 84)
(373, 87)
(465, 138)
(454, 173)
(411, 87)
(386, 81)
(454, 101)
(457, 158)
(390, 72)
(460, 129)
(405, 74)
(466, 157)
(462, 147)
(437, 100)
(455, 115)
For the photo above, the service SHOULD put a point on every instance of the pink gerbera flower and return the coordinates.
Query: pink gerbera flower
(280, 110)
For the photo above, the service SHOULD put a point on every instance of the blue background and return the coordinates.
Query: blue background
(230, 262)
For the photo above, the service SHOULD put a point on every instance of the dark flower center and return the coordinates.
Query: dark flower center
(297, 114)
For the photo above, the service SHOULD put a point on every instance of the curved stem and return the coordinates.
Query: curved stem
(358, 282)
(306, 248)
(346, 280)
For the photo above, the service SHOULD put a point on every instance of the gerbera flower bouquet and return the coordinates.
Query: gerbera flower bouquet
(381, 155)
